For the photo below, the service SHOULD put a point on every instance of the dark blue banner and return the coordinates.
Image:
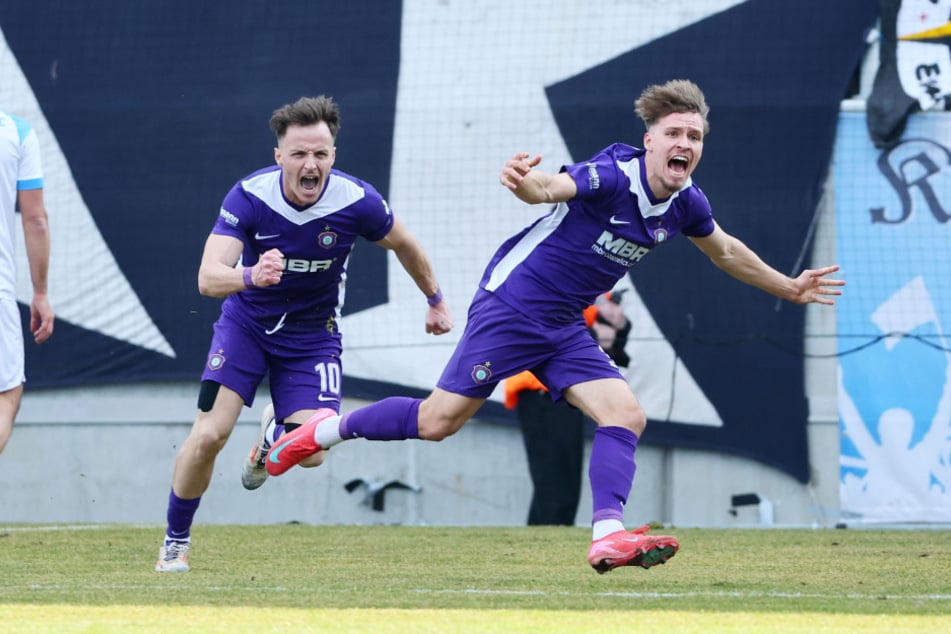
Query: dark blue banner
(150, 111)
(159, 107)
(774, 103)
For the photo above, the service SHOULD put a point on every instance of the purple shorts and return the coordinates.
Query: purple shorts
(303, 366)
(499, 342)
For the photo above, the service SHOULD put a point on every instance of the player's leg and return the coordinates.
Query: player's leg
(209, 433)
(305, 377)
(584, 375)
(218, 412)
(253, 469)
(395, 418)
(621, 420)
(9, 406)
(233, 371)
(462, 388)
(11, 368)
(306, 380)
(253, 473)
(299, 418)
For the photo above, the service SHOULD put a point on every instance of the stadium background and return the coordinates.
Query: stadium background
(149, 113)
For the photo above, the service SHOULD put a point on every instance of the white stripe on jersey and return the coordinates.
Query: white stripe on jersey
(632, 169)
(525, 246)
(340, 193)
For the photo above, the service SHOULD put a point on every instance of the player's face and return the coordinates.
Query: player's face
(674, 145)
(305, 154)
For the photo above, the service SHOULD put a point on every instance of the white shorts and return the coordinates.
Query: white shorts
(11, 346)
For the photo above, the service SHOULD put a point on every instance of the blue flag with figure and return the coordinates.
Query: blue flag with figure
(893, 230)
(914, 70)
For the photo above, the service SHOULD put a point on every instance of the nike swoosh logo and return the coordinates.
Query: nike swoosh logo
(325, 399)
(275, 454)
(615, 221)
(258, 236)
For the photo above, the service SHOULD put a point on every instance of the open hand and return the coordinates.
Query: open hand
(812, 285)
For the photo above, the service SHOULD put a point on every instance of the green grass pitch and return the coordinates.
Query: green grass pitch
(472, 579)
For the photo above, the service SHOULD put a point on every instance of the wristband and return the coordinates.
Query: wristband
(248, 277)
(435, 298)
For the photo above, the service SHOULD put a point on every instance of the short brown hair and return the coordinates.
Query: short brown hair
(677, 95)
(306, 111)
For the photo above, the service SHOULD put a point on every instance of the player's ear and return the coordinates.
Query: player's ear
(277, 155)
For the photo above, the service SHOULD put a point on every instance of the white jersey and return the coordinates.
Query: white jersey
(20, 169)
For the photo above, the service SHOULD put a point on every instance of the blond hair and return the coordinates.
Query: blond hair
(677, 95)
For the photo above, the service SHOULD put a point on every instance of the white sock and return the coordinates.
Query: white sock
(603, 528)
(327, 432)
(187, 540)
(269, 432)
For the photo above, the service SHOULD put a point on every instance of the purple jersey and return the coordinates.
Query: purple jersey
(316, 242)
(556, 267)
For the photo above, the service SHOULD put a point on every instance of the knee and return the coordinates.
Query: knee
(207, 443)
(436, 429)
(634, 419)
(638, 421)
(434, 433)
(315, 460)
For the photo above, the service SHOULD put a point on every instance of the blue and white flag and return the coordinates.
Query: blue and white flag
(893, 233)
(914, 71)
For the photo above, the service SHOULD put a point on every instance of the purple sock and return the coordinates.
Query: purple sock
(180, 515)
(394, 418)
(611, 471)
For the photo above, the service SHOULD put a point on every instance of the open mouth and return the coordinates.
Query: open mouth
(308, 183)
(678, 164)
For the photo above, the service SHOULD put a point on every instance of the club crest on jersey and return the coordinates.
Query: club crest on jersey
(327, 238)
(660, 235)
(481, 373)
(216, 361)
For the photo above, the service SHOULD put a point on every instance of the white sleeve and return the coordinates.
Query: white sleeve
(30, 172)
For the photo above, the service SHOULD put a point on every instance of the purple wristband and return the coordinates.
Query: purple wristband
(435, 298)
(248, 278)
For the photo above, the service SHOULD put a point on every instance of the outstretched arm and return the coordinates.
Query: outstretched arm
(737, 259)
(413, 259)
(852, 421)
(534, 186)
(36, 235)
(940, 430)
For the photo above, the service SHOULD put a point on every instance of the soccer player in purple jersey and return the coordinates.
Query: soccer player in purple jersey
(609, 212)
(277, 254)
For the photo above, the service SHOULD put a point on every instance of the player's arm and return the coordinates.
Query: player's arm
(415, 262)
(535, 186)
(734, 257)
(852, 420)
(217, 275)
(36, 234)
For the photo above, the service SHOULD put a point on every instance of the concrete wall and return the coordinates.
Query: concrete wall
(58, 470)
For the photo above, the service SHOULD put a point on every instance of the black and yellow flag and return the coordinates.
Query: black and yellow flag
(914, 70)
